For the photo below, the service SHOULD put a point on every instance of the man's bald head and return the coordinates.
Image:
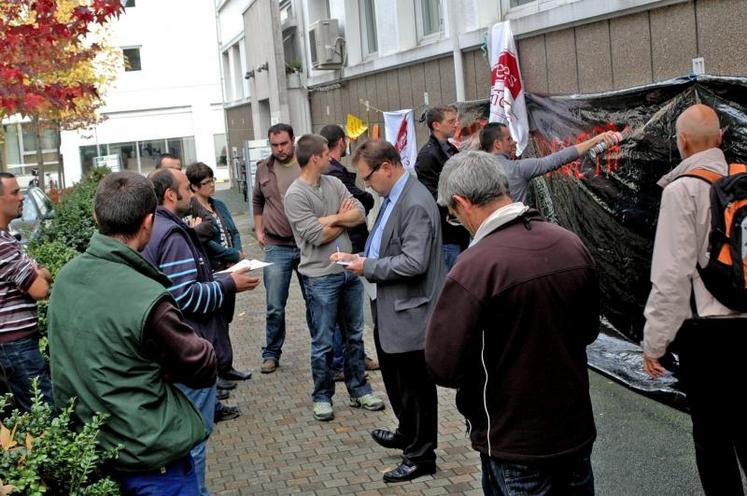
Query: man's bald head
(698, 129)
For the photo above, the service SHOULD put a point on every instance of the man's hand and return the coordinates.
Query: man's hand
(243, 281)
(652, 367)
(355, 261)
(260, 238)
(44, 273)
(328, 220)
(347, 205)
(194, 222)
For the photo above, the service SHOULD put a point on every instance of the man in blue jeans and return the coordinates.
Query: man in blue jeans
(22, 282)
(273, 177)
(320, 209)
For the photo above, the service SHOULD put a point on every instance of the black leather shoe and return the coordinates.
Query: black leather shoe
(406, 471)
(389, 439)
(224, 384)
(227, 413)
(223, 394)
(236, 375)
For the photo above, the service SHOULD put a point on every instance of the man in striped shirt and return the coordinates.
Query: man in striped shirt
(206, 302)
(22, 282)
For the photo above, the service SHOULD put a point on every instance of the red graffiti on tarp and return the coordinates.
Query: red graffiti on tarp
(467, 138)
(611, 156)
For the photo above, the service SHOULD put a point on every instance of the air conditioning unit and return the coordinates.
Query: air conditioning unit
(326, 45)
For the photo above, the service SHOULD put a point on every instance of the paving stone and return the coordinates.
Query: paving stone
(277, 448)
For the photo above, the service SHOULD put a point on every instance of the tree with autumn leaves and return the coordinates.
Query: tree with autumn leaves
(50, 70)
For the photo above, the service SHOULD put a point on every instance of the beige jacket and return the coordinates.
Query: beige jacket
(681, 242)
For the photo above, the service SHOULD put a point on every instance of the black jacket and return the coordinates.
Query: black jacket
(358, 234)
(510, 331)
(428, 165)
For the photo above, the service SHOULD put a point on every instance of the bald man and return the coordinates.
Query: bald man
(710, 340)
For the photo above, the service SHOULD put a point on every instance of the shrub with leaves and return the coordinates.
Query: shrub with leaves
(40, 453)
(73, 223)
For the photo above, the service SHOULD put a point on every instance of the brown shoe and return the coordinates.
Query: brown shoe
(371, 364)
(269, 366)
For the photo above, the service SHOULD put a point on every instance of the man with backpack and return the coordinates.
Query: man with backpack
(686, 272)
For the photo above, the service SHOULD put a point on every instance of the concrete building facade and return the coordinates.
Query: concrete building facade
(167, 97)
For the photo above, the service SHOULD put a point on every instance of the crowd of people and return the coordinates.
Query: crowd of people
(468, 286)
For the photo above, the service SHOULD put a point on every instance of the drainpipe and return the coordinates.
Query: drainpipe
(458, 62)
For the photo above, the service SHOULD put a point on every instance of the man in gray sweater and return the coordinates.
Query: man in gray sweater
(320, 209)
(495, 138)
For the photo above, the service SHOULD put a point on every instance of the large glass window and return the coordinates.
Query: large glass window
(12, 145)
(149, 153)
(516, 3)
(127, 155)
(368, 26)
(87, 154)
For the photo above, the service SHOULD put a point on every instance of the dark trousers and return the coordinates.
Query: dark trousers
(412, 394)
(713, 375)
(175, 479)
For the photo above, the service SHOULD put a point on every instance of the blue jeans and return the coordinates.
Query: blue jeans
(204, 400)
(451, 252)
(21, 361)
(176, 479)
(332, 299)
(570, 477)
(337, 354)
(277, 279)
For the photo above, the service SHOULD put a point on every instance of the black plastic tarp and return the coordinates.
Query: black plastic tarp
(612, 202)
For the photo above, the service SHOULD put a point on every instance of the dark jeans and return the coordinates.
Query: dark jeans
(713, 375)
(277, 279)
(21, 362)
(333, 298)
(337, 354)
(175, 479)
(451, 252)
(570, 477)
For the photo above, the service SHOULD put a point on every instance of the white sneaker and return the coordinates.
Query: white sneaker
(323, 411)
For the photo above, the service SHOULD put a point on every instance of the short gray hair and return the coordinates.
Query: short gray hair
(477, 176)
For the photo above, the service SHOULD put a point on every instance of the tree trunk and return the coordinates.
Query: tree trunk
(39, 154)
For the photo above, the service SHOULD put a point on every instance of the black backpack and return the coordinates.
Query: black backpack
(725, 275)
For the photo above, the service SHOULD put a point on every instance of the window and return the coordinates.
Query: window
(429, 17)
(128, 3)
(516, 3)
(20, 147)
(221, 159)
(140, 156)
(131, 59)
(369, 41)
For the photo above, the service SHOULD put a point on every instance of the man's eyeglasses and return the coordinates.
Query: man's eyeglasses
(207, 181)
(452, 220)
(368, 177)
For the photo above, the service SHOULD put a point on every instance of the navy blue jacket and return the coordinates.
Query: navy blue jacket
(207, 303)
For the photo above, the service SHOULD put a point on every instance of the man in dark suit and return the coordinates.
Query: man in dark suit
(403, 264)
(442, 122)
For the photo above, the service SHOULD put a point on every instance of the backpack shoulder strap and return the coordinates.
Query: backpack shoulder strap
(703, 174)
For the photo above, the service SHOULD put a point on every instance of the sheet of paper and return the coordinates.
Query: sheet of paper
(244, 264)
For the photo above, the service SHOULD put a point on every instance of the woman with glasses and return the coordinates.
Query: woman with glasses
(224, 248)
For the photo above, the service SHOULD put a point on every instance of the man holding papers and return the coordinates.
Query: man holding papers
(404, 259)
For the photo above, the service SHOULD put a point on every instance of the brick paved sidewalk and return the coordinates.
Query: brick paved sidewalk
(276, 447)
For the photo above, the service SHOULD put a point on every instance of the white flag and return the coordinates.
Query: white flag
(399, 130)
(507, 104)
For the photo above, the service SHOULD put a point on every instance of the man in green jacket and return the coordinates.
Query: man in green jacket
(118, 343)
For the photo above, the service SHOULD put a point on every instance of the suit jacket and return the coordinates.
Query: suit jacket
(410, 270)
(428, 166)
